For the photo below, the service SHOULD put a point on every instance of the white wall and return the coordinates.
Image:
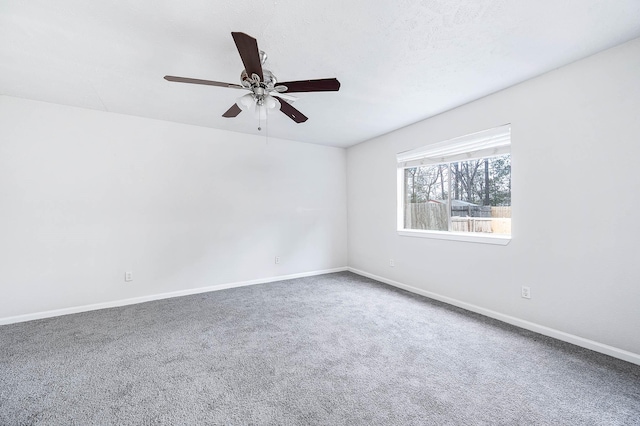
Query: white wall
(87, 195)
(576, 209)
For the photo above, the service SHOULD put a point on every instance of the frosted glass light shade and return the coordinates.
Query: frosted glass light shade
(270, 102)
(246, 102)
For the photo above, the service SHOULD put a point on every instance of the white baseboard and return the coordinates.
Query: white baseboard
(547, 331)
(141, 299)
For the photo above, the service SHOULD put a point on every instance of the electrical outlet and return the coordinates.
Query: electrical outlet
(128, 276)
(392, 263)
(526, 292)
(277, 260)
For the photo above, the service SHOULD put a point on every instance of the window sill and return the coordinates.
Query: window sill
(501, 240)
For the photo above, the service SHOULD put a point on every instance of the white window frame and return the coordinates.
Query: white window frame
(487, 143)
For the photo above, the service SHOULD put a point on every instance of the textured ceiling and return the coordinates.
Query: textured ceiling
(399, 62)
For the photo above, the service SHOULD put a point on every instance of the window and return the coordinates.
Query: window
(458, 189)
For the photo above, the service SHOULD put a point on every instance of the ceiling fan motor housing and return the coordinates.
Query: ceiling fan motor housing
(268, 78)
(261, 89)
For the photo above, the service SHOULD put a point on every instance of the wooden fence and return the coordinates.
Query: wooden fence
(501, 211)
(431, 216)
(434, 216)
(471, 211)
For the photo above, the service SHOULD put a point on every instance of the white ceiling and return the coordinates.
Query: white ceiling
(398, 61)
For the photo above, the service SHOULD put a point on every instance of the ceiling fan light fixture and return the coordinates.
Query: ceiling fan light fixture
(267, 105)
(271, 103)
(245, 102)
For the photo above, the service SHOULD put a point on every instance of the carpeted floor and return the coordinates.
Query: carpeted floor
(332, 349)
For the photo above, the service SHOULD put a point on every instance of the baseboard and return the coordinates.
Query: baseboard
(547, 331)
(134, 300)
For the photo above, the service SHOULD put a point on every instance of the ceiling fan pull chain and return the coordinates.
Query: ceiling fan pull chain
(266, 130)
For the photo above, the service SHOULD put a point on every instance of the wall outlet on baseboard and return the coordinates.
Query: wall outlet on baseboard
(277, 260)
(128, 276)
(526, 292)
(392, 262)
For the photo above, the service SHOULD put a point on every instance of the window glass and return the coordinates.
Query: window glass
(464, 196)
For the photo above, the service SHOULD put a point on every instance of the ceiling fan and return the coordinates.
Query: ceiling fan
(265, 92)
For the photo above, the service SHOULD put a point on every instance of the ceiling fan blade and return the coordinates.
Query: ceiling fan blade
(287, 97)
(321, 85)
(232, 112)
(248, 50)
(291, 112)
(198, 81)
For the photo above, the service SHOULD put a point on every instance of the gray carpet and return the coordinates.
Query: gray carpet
(333, 349)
